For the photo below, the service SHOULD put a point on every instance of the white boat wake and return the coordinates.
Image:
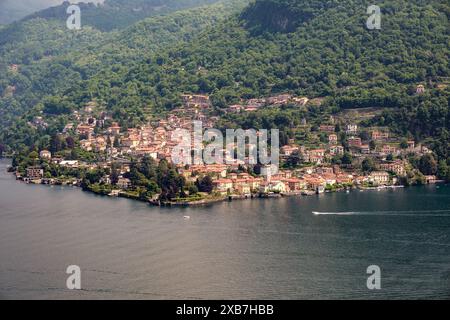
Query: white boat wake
(418, 213)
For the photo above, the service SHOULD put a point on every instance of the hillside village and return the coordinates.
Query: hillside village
(342, 160)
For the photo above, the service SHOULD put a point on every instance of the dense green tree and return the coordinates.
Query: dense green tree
(115, 173)
(93, 176)
(205, 184)
(192, 189)
(293, 160)
(368, 165)
(347, 158)
(70, 142)
(428, 165)
(56, 143)
(443, 170)
(33, 155)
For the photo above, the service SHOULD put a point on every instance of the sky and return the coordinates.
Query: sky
(11, 10)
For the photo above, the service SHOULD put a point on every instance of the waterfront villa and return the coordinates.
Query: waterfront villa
(272, 186)
(379, 177)
(35, 173)
(223, 186)
(397, 167)
(124, 183)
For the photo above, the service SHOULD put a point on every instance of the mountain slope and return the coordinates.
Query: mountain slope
(52, 61)
(282, 15)
(13, 10)
(118, 14)
(314, 48)
(332, 54)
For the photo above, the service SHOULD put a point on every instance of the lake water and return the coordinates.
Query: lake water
(254, 249)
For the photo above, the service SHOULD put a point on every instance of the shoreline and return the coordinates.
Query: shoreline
(205, 201)
(228, 198)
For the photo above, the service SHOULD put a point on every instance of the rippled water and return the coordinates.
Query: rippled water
(255, 249)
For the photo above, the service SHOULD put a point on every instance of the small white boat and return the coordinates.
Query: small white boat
(187, 217)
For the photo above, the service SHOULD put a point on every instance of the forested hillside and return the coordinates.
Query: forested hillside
(313, 48)
(333, 54)
(45, 32)
(52, 60)
(119, 14)
(14, 10)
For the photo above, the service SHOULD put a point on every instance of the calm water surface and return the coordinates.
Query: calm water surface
(256, 249)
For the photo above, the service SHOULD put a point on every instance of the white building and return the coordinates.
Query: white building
(45, 154)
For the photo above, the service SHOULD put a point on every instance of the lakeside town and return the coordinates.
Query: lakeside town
(99, 155)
